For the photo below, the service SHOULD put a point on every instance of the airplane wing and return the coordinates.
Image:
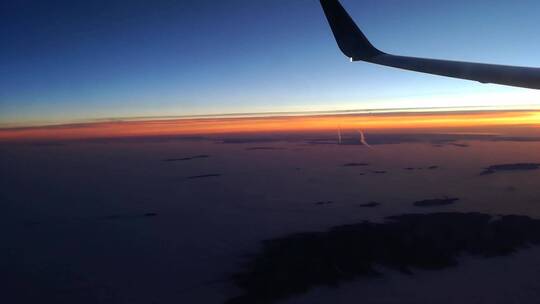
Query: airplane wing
(357, 47)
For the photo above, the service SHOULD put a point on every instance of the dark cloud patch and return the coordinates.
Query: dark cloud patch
(130, 216)
(296, 263)
(355, 165)
(186, 158)
(263, 148)
(247, 140)
(203, 176)
(510, 167)
(370, 205)
(268, 138)
(144, 139)
(460, 145)
(48, 144)
(439, 140)
(517, 138)
(322, 203)
(435, 202)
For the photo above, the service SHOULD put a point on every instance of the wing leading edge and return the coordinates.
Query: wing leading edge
(354, 44)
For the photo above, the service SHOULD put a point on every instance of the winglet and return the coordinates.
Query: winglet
(349, 38)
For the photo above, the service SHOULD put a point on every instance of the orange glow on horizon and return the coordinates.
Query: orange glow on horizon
(382, 122)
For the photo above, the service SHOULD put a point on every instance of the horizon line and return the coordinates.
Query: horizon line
(275, 114)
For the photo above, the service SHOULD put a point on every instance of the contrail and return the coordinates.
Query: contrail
(363, 139)
(339, 135)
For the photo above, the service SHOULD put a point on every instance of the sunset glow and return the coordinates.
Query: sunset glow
(380, 122)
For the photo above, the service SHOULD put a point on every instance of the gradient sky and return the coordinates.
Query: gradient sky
(74, 60)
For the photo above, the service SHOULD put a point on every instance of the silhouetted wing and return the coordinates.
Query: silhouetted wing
(356, 46)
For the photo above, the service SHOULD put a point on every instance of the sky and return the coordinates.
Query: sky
(72, 61)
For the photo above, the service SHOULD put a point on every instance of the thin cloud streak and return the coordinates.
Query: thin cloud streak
(363, 139)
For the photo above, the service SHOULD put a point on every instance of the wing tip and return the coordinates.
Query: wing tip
(350, 39)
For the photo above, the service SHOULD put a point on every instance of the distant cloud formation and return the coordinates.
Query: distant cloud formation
(436, 202)
(186, 158)
(510, 167)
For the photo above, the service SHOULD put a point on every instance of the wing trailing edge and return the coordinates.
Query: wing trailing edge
(355, 45)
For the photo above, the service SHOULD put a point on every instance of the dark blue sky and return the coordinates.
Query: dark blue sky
(72, 60)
